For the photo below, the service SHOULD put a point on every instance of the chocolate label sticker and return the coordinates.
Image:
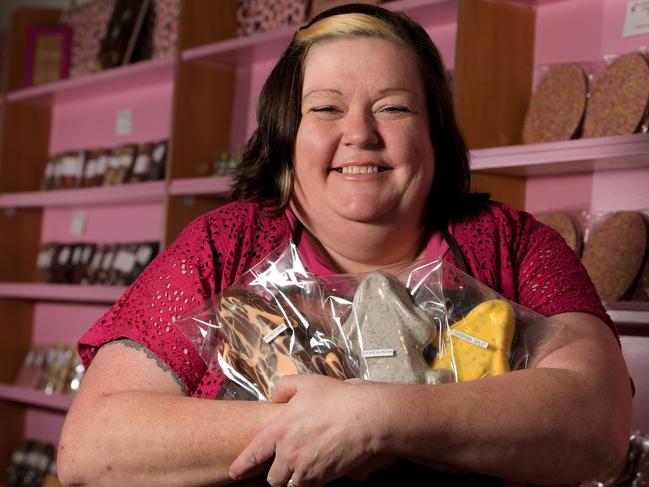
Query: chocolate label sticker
(468, 338)
(273, 334)
(381, 352)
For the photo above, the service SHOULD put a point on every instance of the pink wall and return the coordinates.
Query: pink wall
(637, 359)
(565, 192)
(63, 322)
(621, 190)
(43, 425)
(90, 123)
(105, 224)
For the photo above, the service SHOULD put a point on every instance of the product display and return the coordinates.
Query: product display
(566, 226)
(165, 28)
(557, 106)
(433, 324)
(614, 254)
(128, 163)
(53, 369)
(619, 98)
(31, 463)
(86, 263)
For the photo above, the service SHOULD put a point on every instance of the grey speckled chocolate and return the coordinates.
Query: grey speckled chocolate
(385, 318)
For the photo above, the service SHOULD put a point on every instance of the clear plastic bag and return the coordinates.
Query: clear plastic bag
(425, 323)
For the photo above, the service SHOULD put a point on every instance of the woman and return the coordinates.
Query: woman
(358, 158)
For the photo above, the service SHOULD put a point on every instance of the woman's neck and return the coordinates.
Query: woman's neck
(354, 247)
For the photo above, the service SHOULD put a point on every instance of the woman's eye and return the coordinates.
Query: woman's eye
(395, 109)
(325, 109)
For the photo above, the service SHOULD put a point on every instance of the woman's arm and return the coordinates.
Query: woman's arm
(131, 424)
(566, 420)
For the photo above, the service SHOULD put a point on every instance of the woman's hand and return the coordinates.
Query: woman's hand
(328, 429)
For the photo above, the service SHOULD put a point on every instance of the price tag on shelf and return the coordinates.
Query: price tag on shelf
(78, 223)
(637, 18)
(124, 122)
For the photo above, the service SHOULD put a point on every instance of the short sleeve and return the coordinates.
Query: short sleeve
(179, 280)
(551, 278)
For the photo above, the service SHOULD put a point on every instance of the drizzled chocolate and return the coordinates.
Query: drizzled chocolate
(247, 318)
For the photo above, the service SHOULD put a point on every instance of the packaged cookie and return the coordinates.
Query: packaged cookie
(94, 168)
(619, 98)
(81, 262)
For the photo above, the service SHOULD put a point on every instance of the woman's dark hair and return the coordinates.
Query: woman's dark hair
(265, 174)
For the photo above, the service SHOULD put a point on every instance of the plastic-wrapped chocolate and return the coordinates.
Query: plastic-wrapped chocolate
(61, 264)
(143, 164)
(47, 182)
(95, 265)
(145, 253)
(57, 368)
(120, 163)
(82, 262)
(103, 274)
(159, 160)
(123, 265)
(94, 168)
(18, 466)
(44, 262)
(264, 341)
(72, 168)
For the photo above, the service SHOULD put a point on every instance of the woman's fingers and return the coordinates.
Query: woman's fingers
(255, 458)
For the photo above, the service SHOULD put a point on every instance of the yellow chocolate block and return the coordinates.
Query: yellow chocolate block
(478, 345)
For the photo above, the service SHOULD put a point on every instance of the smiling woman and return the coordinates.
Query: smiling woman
(358, 159)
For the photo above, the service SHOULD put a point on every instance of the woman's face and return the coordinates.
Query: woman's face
(363, 151)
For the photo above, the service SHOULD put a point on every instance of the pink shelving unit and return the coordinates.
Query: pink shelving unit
(126, 194)
(126, 78)
(61, 292)
(569, 157)
(32, 397)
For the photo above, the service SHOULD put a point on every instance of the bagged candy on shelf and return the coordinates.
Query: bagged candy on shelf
(427, 323)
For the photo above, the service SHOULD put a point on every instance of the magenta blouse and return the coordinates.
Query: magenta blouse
(507, 250)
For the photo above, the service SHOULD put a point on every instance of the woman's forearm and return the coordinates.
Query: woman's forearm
(148, 438)
(534, 427)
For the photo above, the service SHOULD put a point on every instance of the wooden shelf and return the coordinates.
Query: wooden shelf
(116, 80)
(216, 185)
(32, 397)
(61, 292)
(572, 156)
(152, 191)
(267, 46)
(631, 317)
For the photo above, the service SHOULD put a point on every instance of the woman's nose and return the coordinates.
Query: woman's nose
(359, 129)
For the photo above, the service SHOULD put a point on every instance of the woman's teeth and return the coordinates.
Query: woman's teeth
(359, 169)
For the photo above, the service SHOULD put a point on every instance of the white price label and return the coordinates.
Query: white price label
(381, 352)
(469, 338)
(275, 333)
(124, 122)
(636, 21)
(78, 223)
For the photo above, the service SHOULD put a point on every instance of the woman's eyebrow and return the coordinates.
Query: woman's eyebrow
(322, 92)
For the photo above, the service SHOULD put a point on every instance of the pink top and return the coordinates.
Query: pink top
(507, 250)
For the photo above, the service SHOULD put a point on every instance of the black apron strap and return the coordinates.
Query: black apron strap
(455, 248)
